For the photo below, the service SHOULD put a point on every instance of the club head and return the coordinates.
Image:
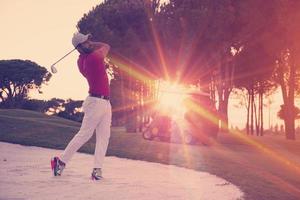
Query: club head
(53, 69)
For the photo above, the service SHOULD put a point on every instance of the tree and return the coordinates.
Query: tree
(219, 44)
(255, 65)
(283, 112)
(54, 106)
(72, 110)
(287, 68)
(17, 77)
(36, 105)
(125, 26)
(197, 36)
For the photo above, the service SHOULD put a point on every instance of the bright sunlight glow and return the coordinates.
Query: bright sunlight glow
(171, 97)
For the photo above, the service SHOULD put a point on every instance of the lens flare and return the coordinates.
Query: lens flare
(171, 98)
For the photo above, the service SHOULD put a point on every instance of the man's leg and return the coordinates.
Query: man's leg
(102, 136)
(92, 116)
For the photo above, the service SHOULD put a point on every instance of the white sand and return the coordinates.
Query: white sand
(25, 174)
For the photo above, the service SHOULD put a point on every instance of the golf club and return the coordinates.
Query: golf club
(53, 68)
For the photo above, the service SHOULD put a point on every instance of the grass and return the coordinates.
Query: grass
(264, 168)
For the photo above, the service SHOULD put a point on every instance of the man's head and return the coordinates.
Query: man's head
(82, 42)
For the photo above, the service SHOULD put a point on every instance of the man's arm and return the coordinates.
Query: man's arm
(102, 47)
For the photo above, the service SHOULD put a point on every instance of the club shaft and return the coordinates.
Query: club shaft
(64, 56)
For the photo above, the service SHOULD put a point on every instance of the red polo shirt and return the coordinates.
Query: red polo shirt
(93, 69)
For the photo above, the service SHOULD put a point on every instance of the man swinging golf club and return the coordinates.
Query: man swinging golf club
(96, 107)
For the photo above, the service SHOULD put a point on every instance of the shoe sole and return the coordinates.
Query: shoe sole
(94, 178)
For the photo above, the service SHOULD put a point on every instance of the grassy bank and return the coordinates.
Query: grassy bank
(264, 168)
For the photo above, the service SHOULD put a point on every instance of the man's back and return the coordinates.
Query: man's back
(93, 69)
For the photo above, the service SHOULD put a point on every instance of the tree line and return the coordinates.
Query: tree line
(222, 45)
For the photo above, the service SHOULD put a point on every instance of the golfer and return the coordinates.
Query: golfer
(96, 107)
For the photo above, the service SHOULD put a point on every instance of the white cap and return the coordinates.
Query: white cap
(79, 38)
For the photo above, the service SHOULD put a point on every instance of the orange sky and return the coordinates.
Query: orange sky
(41, 31)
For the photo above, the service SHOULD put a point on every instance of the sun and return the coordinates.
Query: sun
(171, 98)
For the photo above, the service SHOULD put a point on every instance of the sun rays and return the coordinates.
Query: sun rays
(139, 73)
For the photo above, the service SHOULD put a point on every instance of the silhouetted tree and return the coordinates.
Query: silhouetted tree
(36, 105)
(125, 26)
(72, 110)
(288, 62)
(17, 77)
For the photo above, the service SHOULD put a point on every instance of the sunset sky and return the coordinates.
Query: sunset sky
(41, 31)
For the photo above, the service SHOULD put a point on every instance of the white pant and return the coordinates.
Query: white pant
(97, 116)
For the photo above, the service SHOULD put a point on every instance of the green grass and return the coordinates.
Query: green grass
(259, 175)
